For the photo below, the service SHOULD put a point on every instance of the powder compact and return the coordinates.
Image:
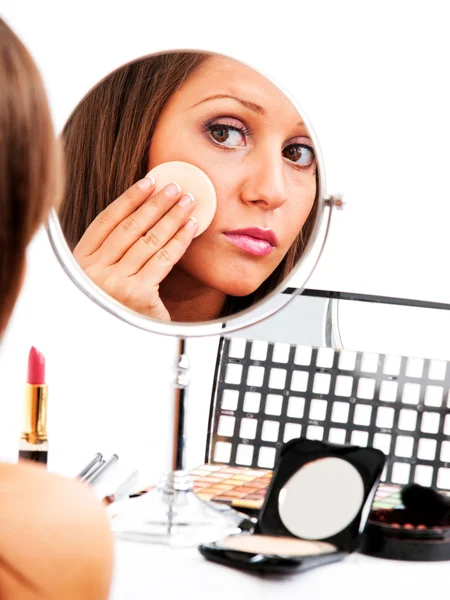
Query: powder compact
(314, 512)
(417, 529)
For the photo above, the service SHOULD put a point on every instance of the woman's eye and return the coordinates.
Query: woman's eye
(299, 154)
(226, 135)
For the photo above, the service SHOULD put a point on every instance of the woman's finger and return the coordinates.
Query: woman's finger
(106, 221)
(161, 263)
(156, 237)
(136, 225)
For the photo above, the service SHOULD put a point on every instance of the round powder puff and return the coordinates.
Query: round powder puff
(274, 545)
(193, 180)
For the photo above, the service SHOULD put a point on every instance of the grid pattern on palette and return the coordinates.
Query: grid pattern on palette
(268, 393)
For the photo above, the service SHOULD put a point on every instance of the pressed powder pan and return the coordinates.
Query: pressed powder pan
(270, 553)
(276, 545)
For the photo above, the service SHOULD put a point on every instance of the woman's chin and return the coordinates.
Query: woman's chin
(239, 288)
(234, 282)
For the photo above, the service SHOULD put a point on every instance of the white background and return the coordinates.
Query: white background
(373, 80)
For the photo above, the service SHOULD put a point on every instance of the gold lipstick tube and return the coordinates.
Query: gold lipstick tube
(34, 440)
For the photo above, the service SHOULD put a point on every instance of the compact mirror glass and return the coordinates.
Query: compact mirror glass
(321, 498)
(223, 144)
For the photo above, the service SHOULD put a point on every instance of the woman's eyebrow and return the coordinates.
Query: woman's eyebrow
(250, 105)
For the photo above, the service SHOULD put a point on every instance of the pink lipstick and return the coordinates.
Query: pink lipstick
(254, 240)
(34, 440)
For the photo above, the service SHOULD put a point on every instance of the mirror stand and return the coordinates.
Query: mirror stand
(171, 513)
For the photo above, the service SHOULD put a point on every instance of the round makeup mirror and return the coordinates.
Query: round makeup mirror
(138, 245)
(162, 139)
(321, 498)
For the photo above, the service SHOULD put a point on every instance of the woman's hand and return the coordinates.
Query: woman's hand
(133, 244)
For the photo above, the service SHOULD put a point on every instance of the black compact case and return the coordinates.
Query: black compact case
(295, 455)
(265, 563)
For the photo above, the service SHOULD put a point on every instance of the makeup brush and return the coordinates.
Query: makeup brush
(426, 501)
(121, 492)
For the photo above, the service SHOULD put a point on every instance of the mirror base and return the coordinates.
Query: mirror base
(171, 514)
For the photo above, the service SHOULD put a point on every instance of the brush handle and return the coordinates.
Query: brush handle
(103, 465)
(97, 458)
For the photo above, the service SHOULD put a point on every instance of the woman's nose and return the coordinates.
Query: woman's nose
(265, 182)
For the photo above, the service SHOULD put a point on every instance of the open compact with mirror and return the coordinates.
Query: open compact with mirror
(314, 513)
(195, 193)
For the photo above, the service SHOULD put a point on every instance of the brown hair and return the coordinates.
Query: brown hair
(27, 162)
(107, 142)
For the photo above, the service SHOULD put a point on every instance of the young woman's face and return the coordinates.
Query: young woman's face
(242, 131)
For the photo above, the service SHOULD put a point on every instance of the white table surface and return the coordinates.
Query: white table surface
(146, 571)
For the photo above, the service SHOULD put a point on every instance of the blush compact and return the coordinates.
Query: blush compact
(314, 512)
(418, 529)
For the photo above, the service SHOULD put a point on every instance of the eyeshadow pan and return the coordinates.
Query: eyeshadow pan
(243, 477)
(207, 479)
(232, 482)
(260, 484)
(200, 485)
(223, 486)
(245, 489)
(218, 489)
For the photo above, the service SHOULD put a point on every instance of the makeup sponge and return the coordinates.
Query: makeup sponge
(192, 180)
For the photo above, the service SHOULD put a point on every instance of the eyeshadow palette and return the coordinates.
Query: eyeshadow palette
(266, 394)
(238, 487)
(387, 497)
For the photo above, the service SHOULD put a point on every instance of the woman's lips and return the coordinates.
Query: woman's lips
(254, 240)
